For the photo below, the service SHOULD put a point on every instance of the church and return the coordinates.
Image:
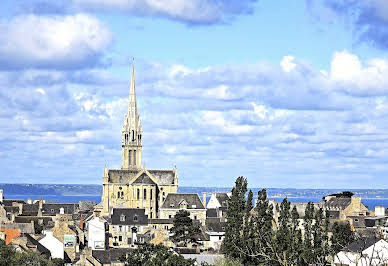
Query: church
(133, 186)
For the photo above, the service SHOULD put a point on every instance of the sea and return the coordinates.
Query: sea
(369, 202)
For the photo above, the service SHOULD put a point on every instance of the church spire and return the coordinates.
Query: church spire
(132, 132)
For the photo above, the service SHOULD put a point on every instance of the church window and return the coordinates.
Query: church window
(138, 194)
(195, 217)
(145, 193)
(151, 194)
(134, 157)
(122, 218)
(151, 215)
(118, 194)
(130, 157)
(133, 135)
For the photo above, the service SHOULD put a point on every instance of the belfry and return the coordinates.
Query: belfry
(133, 186)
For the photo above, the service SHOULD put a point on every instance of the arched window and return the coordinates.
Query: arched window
(130, 157)
(133, 135)
(134, 157)
(145, 193)
(138, 193)
(118, 194)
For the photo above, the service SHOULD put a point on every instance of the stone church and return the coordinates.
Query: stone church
(133, 186)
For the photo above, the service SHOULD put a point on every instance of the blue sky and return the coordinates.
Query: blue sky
(286, 93)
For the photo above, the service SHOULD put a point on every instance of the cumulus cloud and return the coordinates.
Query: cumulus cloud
(59, 42)
(192, 12)
(368, 17)
(277, 125)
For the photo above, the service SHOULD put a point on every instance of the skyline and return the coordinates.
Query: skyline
(287, 95)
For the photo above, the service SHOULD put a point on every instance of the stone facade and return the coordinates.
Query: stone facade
(132, 186)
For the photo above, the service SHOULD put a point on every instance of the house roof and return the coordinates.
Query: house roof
(30, 209)
(33, 242)
(361, 244)
(222, 198)
(341, 203)
(51, 209)
(8, 202)
(173, 200)
(129, 216)
(211, 213)
(110, 255)
(11, 209)
(215, 225)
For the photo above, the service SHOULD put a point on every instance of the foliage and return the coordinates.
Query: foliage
(257, 236)
(37, 227)
(233, 241)
(155, 255)
(11, 257)
(343, 194)
(342, 236)
(226, 262)
(184, 230)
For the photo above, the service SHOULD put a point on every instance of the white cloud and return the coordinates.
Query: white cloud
(287, 63)
(66, 42)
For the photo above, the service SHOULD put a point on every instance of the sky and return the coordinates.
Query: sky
(285, 93)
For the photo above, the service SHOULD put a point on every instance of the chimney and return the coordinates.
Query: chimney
(29, 201)
(204, 199)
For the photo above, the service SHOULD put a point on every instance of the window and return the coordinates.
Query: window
(151, 194)
(169, 216)
(135, 218)
(52, 210)
(154, 226)
(356, 220)
(130, 157)
(195, 217)
(133, 135)
(122, 218)
(118, 194)
(219, 237)
(151, 215)
(138, 193)
(166, 227)
(145, 193)
(120, 238)
(134, 157)
(120, 228)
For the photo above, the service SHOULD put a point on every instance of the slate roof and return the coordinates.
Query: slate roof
(215, 225)
(28, 219)
(110, 255)
(173, 200)
(341, 203)
(361, 244)
(30, 209)
(8, 202)
(33, 243)
(160, 221)
(51, 209)
(129, 215)
(162, 177)
(11, 209)
(222, 199)
(211, 213)
(144, 179)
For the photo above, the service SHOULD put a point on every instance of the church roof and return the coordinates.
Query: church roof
(162, 177)
(144, 179)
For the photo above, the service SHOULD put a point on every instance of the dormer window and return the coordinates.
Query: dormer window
(135, 218)
(172, 205)
(122, 218)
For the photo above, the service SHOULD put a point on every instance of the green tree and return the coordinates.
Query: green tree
(155, 255)
(184, 230)
(233, 242)
(342, 235)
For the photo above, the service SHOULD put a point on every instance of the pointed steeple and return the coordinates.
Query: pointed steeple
(132, 131)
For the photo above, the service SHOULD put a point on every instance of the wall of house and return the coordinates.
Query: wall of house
(195, 214)
(53, 244)
(96, 234)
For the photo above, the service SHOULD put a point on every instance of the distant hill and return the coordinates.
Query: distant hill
(51, 189)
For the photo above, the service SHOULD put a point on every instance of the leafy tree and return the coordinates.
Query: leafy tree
(342, 235)
(184, 230)
(155, 255)
(247, 232)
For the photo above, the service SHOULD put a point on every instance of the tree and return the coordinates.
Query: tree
(184, 230)
(232, 244)
(342, 235)
(155, 255)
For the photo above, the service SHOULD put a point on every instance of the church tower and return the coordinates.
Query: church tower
(131, 133)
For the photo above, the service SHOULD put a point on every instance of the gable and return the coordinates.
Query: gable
(144, 179)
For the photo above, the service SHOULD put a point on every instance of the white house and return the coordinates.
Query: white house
(53, 244)
(96, 233)
(365, 252)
